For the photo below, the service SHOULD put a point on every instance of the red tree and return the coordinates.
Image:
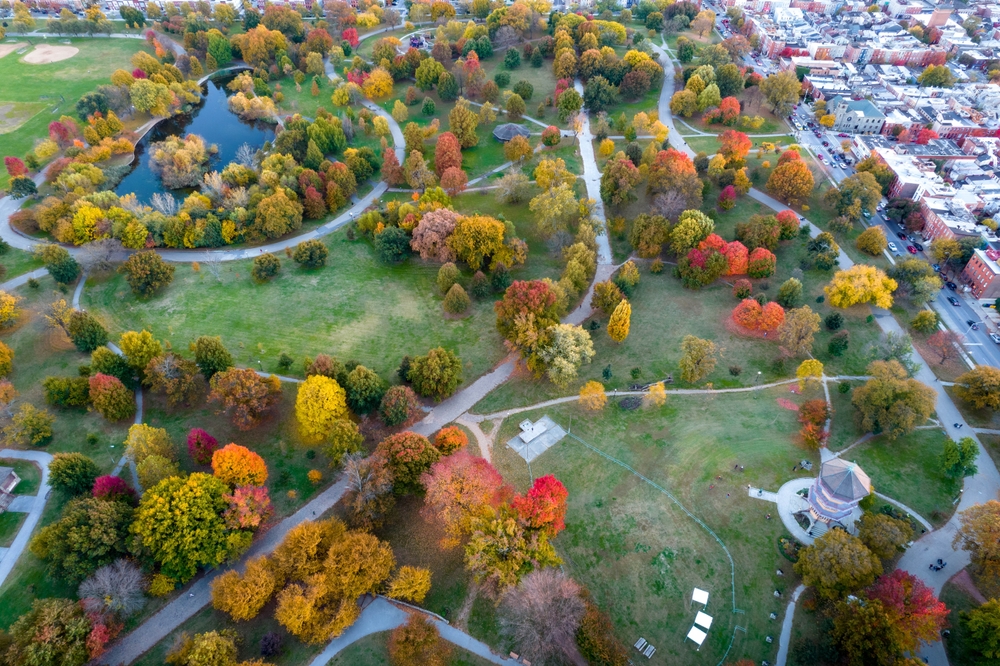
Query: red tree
(551, 135)
(713, 242)
(201, 446)
(917, 613)
(461, 487)
(734, 145)
(789, 222)
(814, 411)
(925, 135)
(59, 133)
(351, 35)
(729, 109)
(450, 439)
(112, 488)
(727, 197)
(313, 206)
(762, 263)
(249, 506)
(15, 167)
(544, 507)
(747, 313)
(392, 172)
(454, 181)
(737, 256)
(789, 156)
(447, 153)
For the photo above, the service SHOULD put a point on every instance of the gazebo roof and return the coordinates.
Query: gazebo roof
(508, 131)
(846, 480)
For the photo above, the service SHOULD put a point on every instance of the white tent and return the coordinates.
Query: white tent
(697, 635)
(700, 597)
(703, 620)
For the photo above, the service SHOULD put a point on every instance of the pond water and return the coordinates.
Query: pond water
(213, 121)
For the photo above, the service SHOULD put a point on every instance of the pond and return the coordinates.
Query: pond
(213, 121)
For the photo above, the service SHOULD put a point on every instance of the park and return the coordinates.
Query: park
(296, 284)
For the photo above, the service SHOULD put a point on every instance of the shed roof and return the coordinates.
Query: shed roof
(846, 480)
(508, 131)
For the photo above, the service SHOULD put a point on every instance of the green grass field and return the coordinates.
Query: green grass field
(909, 471)
(10, 523)
(958, 642)
(17, 262)
(640, 555)
(58, 86)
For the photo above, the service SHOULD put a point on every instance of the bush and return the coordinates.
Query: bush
(67, 391)
(838, 343)
(742, 289)
(524, 89)
(310, 254)
(428, 108)
(456, 301)
(447, 277)
(72, 473)
(270, 644)
(834, 321)
(450, 439)
(265, 267)
(502, 79)
(480, 287)
(86, 332)
(511, 60)
(146, 272)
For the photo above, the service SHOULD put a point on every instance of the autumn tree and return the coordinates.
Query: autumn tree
(501, 551)
(563, 350)
(144, 441)
(211, 355)
(525, 311)
(782, 91)
(476, 238)
(459, 488)
(872, 241)
(146, 272)
(237, 465)
(179, 526)
(111, 398)
(791, 181)
(462, 123)
(980, 387)
(410, 584)
(916, 614)
(592, 396)
(53, 631)
(884, 535)
(944, 344)
(796, 332)
(697, 358)
(399, 405)
(542, 614)
(648, 234)
(890, 402)
(418, 641)
(977, 534)
(734, 145)
(618, 325)
(860, 284)
(72, 473)
(619, 180)
(837, 564)
(544, 507)
(447, 153)
(242, 596)
(983, 625)
(245, 395)
(408, 455)
(673, 171)
(89, 534)
(174, 376)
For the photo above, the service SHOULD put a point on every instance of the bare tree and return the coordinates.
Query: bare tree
(115, 588)
(369, 489)
(131, 203)
(238, 197)
(215, 187)
(246, 155)
(391, 17)
(670, 204)
(506, 36)
(753, 97)
(213, 264)
(542, 614)
(512, 188)
(165, 203)
(100, 255)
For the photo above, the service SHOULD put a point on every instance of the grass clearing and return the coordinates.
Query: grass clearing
(57, 86)
(909, 471)
(636, 551)
(992, 445)
(355, 308)
(18, 262)
(10, 523)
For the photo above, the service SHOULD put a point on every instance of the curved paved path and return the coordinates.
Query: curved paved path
(42, 459)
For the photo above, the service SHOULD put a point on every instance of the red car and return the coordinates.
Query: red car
(911, 249)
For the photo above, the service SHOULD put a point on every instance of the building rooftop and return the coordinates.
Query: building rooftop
(846, 480)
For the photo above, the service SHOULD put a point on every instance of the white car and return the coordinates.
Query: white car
(892, 248)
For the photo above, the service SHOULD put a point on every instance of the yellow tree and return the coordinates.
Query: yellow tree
(410, 584)
(809, 370)
(320, 403)
(860, 284)
(378, 84)
(592, 396)
(621, 318)
(475, 238)
(656, 396)
(553, 172)
(9, 312)
(242, 596)
(697, 359)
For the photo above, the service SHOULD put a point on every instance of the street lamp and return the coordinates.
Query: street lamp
(756, 383)
(112, 453)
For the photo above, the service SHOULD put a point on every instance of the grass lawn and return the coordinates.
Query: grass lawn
(10, 523)
(373, 650)
(909, 471)
(58, 86)
(354, 308)
(844, 430)
(992, 445)
(960, 651)
(710, 144)
(29, 474)
(977, 418)
(648, 102)
(663, 312)
(17, 262)
(41, 351)
(638, 554)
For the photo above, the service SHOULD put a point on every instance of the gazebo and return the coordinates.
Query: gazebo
(835, 493)
(507, 131)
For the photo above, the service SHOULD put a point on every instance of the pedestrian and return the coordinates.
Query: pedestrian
(795, 468)
(736, 467)
(727, 494)
(711, 487)
(769, 516)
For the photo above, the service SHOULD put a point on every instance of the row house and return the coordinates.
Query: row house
(982, 274)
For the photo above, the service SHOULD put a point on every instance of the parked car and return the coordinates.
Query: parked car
(995, 338)
(937, 268)
(911, 249)
(973, 325)
(901, 235)
(951, 285)
(892, 248)
(842, 135)
(953, 301)
(920, 248)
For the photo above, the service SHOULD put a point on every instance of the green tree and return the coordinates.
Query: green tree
(837, 564)
(211, 355)
(72, 473)
(782, 91)
(146, 272)
(54, 632)
(364, 389)
(599, 94)
(937, 76)
(90, 534)
(890, 402)
(437, 374)
(85, 331)
(789, 293)
(983, 625)
(959, 459)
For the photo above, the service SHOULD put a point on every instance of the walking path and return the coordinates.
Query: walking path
(382, 615)
(786, 627)
(199, 595)
(11, 556)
